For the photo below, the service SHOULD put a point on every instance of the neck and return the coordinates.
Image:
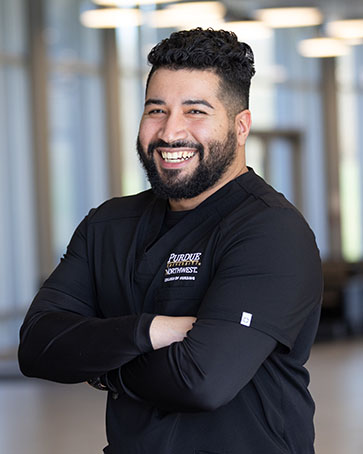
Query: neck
(190, 204)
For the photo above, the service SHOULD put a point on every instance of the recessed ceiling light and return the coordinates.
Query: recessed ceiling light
(189, 15)
(129, 3)
(110, 18)
(322, 47)
(248, 29)
(346, 29)
(290, 16)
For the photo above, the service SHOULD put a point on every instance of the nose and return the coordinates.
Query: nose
(173, 128)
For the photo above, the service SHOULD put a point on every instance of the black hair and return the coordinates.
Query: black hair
(216, 50)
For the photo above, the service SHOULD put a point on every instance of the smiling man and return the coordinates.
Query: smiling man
(195, 303)
(189, 143)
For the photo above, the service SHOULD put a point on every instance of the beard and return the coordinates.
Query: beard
(166, 183)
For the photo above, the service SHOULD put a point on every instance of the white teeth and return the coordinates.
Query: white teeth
(177, 156)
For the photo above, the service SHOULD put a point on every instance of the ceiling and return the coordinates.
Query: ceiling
(332, 9)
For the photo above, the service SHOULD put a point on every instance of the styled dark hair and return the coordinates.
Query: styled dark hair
(216, 50)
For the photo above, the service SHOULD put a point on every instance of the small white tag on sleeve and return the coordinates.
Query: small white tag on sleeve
(246, 319)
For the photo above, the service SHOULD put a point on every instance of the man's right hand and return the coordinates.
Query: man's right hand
(165, 330)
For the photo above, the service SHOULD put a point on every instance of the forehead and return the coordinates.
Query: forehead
(181, 84)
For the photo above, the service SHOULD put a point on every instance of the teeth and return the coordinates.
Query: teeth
(178, 156)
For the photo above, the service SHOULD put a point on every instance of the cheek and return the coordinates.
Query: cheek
(206, 136)
(202, 132)
(142, 132)
(146, 131)
(207, 131)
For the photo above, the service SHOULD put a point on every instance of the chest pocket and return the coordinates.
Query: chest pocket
(177, 301)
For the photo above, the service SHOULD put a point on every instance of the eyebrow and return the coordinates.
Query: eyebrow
(159, 102)
(188, 102)
(191, 102)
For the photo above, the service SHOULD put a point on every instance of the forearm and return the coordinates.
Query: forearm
(200, 373)
(165, 330)
(67, 347)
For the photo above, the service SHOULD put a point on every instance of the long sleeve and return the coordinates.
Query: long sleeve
(263, 292)
(201, 373)
(64, 336)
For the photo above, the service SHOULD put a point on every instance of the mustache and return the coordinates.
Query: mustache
(178, 144)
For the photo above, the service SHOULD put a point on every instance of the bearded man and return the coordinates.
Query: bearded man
(195, 303)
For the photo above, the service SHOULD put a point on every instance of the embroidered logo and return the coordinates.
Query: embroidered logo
(182, 267)
(246, 319)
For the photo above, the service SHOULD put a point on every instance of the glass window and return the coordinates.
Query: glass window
(18, 258)
(350, 102)
(67, 39)
(131, 104)
(78, 151)
(298, 106)
(12, 27)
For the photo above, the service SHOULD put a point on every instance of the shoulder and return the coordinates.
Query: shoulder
(264, 217)
(266, 233)
(258, 188)
(262, 207)
(121, 207)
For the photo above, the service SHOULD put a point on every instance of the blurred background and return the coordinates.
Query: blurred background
(72, 77)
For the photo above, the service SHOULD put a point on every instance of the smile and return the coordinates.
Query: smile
(176, 156)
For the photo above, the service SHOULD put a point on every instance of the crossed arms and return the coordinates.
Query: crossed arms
(175, 363)
(199, 373)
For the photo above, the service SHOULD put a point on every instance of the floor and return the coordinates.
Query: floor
(37, 417)
(336, 371)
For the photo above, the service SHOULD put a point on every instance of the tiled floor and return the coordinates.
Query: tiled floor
(43, 418)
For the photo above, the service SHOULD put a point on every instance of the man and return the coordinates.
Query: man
(195, 303)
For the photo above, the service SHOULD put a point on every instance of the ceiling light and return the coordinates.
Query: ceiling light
(248, 29)
(110, 18)
(355, 41)
(128, 3)
(322, 47)
(290, 17)
(210, 7)
(346, 29)
(190, 14)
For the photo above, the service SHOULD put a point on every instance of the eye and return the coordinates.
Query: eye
(155, 111)
(196, 112)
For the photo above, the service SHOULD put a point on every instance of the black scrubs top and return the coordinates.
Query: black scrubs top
(245, 263)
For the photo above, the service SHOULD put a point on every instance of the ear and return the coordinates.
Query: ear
(243, 125)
